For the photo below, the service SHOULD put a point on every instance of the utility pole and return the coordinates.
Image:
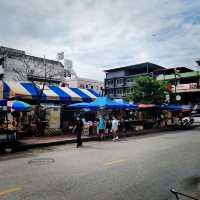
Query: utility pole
(175, 84)
(198, 83)
(175, 78)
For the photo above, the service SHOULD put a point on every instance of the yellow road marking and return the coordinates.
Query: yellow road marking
(114, 162)
(5, 192)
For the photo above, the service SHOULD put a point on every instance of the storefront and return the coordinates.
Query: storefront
(186, 93)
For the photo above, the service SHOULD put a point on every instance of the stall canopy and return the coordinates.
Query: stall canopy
(106, 103)
(27, 90)
(126, 104)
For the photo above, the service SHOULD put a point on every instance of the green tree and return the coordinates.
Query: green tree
(148, 90)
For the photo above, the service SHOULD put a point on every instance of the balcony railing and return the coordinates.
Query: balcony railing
(119, 84)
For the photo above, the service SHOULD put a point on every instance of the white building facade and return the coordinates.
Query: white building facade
(86, 83)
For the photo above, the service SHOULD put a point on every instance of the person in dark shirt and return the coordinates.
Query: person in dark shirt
(78, 131)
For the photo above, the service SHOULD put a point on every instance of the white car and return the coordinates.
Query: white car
(194, 119)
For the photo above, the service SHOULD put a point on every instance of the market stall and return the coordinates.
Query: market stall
(106, 107)
(54, 97)
(13, 117)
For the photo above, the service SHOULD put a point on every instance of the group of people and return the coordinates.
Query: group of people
(108, 126)
(104, 126)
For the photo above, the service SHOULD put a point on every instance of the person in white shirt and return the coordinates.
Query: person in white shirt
(114, 128)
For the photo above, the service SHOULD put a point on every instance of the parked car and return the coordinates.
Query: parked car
(193, 119)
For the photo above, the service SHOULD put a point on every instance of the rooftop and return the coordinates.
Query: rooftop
(172, 69)
(140, 65)
(16, 52)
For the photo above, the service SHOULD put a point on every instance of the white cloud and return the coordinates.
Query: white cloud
(97, 33)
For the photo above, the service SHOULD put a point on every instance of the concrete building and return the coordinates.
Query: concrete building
(86, 83)
(185, 82)
(119, 80)
(16, 65)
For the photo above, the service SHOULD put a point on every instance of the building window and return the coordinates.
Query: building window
(110, 92)
(119, 91)
(110, 82)
(129, 80)
(119, 81)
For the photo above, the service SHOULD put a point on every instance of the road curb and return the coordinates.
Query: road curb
(23, 146)
(72, 141)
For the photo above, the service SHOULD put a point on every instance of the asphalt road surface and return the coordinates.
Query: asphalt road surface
(143, 167)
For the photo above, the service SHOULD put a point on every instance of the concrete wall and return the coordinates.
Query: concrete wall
(19, 66)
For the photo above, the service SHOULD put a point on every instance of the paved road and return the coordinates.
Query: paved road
(136, 168)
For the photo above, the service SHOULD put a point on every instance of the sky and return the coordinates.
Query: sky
(101, 34)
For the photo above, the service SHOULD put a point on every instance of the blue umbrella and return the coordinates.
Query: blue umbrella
(126, 104)
(19, 105)
(106, 103)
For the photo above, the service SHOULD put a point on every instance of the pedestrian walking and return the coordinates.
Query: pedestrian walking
(78, 128)
(101, 127)
(114, 128)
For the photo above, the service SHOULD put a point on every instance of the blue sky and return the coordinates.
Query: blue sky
(98, 34)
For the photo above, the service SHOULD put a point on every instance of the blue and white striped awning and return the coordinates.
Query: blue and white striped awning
(27, 90)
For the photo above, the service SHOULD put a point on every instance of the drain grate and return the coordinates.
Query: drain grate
(41, 161)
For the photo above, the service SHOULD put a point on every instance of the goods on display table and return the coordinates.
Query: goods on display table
(13, 116)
